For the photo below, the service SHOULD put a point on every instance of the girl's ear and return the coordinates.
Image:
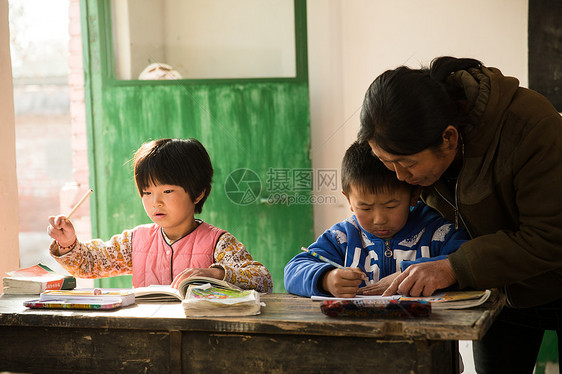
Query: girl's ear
(198, 199)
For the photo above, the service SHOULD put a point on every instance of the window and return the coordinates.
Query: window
(203, 39)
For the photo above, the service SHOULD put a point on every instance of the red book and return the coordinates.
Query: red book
(36, 279)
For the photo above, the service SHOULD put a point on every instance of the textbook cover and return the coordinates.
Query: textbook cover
(96, 298)
(36, 279)
(95, 304)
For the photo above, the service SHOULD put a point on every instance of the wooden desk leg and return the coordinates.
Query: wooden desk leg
(175, 351)
(456, 357)
(437, 357)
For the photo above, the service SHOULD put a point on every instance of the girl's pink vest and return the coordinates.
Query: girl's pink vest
(157, 262)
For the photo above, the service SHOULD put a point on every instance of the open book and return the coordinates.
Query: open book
(441, 300)
(36, 279)
(206, 300)
(454, 299)
(159, 292)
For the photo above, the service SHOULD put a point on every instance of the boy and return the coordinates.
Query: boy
(389, 231)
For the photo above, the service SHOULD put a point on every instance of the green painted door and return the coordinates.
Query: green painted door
(256, 131)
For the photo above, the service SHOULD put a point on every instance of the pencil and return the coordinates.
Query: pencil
(79, 203)
(322, 258)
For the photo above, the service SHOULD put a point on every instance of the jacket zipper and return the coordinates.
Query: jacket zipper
(171, 257)
(172, 263)
(388, 254)
(455, 204)
(458, 215)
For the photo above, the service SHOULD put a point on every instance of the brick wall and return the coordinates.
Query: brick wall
(72, 192)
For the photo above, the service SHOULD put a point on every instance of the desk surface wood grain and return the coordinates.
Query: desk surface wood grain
(283, 314)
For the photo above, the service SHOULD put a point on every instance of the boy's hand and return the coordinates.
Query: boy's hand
(62, 230)
(217, 273)
(343, 282)
(379, 287)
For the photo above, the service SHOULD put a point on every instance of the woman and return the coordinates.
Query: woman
(488, 154)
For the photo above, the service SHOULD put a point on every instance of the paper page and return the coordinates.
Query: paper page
(358, 297)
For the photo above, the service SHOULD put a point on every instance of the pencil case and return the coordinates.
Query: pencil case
(375, 308)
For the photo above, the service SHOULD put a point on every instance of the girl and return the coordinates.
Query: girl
(173, 177)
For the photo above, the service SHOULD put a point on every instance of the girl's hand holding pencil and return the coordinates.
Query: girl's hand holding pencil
(62, 230)
(341, 281)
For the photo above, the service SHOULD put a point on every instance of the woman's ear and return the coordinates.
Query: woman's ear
(450, 138)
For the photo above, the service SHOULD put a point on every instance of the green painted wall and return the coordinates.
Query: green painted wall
(548, 353)
(253, 124)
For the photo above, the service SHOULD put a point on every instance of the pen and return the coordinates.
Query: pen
(322, 258)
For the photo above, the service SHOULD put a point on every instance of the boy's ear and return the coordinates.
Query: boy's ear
(198, 199)
(348, 202)
(415, 195)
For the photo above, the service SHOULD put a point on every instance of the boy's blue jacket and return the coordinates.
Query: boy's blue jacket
(426, 236)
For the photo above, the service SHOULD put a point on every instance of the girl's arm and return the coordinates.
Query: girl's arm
(97, 259)
(239, 266)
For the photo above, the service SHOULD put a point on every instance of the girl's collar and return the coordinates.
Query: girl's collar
(170, 241)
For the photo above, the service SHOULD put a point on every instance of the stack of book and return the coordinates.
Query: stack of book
(206, 301)
(36, 279)
(98, 299)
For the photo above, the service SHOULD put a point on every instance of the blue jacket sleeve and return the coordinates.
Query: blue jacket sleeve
(445, 240)
(304, 272)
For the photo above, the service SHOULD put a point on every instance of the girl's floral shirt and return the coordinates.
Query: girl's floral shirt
(99, 259)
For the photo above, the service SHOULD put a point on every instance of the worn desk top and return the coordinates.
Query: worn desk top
(283, 314)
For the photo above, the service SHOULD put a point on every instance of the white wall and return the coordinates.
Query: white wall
(9, 250)
(351, 42)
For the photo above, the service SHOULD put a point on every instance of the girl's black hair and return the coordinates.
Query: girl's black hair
(364, 171)
(405, 111)
(178, 162)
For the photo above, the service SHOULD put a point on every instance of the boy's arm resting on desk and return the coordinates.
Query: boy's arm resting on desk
(239, 266)
(97, 259)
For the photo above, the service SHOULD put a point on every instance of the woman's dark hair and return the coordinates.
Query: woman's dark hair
(178, 162)
(362, 169)
(405, 111)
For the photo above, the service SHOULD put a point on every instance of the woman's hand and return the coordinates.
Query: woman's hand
(423, 279)
(379, 287)
(62, 230)
(217, 273)
(343, 282)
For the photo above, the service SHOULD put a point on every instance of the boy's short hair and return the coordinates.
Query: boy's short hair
(362, 169)
(179, 162)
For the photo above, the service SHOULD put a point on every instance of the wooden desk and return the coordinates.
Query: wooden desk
(291, 335)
